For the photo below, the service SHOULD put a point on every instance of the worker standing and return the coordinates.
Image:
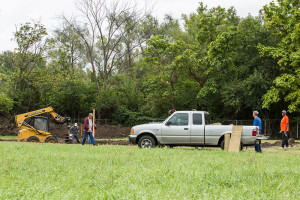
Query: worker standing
(74, 132)
(88, 127)
(257, 122)
(284, 128)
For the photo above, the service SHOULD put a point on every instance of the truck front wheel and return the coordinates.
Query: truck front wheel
(146, 142)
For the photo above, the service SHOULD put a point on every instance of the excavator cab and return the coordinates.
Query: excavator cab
(40, 123)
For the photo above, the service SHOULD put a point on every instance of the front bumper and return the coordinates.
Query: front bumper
(132, 139)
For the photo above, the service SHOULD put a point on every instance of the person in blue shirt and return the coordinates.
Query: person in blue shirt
(257, 122)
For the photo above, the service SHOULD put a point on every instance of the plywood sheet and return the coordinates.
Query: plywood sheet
(235, 140)
(227, 141)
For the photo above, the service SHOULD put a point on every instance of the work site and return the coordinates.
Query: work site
(121, 99)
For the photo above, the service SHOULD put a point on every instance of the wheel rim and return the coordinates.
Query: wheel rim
(146, 143)
(33, 140)
(51, 141)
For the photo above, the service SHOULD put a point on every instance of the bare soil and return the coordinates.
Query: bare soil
(106, 132)
(292, 142)
(61, 131)
(113, 142)
(102, 131)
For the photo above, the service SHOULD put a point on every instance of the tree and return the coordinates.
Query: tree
(29, 38)
(107, 26)
(67, 49)
(284, 19)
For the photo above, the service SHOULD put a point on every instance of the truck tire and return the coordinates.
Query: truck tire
(33, 139)
(222, 145)
(146, 142)
(51, 139)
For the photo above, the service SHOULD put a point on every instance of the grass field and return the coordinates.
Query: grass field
(8, 137)
(60, 171)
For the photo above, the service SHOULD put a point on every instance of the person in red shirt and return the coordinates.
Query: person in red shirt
(284, 128)
(88, 127)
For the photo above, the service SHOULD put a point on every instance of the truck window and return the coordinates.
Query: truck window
(179, 119)
(207, 119)
(197, 119)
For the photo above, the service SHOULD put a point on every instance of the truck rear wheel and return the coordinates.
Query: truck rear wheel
(33, 139)
(51, 139)
(147, 142)
(222, 144)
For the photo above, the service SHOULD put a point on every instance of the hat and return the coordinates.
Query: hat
(283, 111)
(75, 124)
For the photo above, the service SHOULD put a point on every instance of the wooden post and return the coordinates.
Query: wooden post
(94, 123)
(81, 130)
(227, 141)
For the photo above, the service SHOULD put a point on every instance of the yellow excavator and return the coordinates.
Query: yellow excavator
(37, 129)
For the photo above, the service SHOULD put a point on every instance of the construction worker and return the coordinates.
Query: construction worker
(88, 127)
(284, 128)
(257, 122)
(74, 132)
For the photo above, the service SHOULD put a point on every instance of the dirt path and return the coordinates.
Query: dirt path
(98, 142)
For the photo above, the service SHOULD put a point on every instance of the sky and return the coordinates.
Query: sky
(16, 12)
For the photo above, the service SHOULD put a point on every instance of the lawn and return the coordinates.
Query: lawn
(61, 171)
(8, 137)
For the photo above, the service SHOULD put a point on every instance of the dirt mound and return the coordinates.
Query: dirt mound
(61, 130)
(112, 131)
(9, 129)
(113, 142)
(102, 131)
(292, 142)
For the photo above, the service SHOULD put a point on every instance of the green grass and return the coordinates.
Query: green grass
(60, 171)
(8, 137)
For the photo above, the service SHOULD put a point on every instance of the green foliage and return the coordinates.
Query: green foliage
(6, 104)
(219, 62)
(284, 19)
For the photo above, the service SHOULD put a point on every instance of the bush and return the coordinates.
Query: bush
(6, 103)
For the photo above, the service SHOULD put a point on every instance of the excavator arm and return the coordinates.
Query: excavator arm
(20, 119)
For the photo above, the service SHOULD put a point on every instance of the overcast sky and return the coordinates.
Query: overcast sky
(15, 12)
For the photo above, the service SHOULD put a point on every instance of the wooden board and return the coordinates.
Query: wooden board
(227, 141)
(81, 130)
(94, 122)
(235, 140)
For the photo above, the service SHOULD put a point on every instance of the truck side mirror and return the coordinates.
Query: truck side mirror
(168, 123)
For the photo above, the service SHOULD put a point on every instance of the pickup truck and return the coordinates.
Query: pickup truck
(187, 128)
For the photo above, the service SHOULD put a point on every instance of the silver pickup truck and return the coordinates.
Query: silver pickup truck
(187, 128)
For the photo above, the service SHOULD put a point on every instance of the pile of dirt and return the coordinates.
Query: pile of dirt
(8, 129)
(102, 131)
(113, 142)
(61, 130)
(112, 131)
(292, 142)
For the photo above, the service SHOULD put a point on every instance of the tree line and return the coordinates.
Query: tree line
(132, 68)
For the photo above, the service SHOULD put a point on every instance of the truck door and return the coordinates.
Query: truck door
(176, 130)
(197, 129)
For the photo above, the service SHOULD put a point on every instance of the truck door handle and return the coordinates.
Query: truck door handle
(186, 128)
